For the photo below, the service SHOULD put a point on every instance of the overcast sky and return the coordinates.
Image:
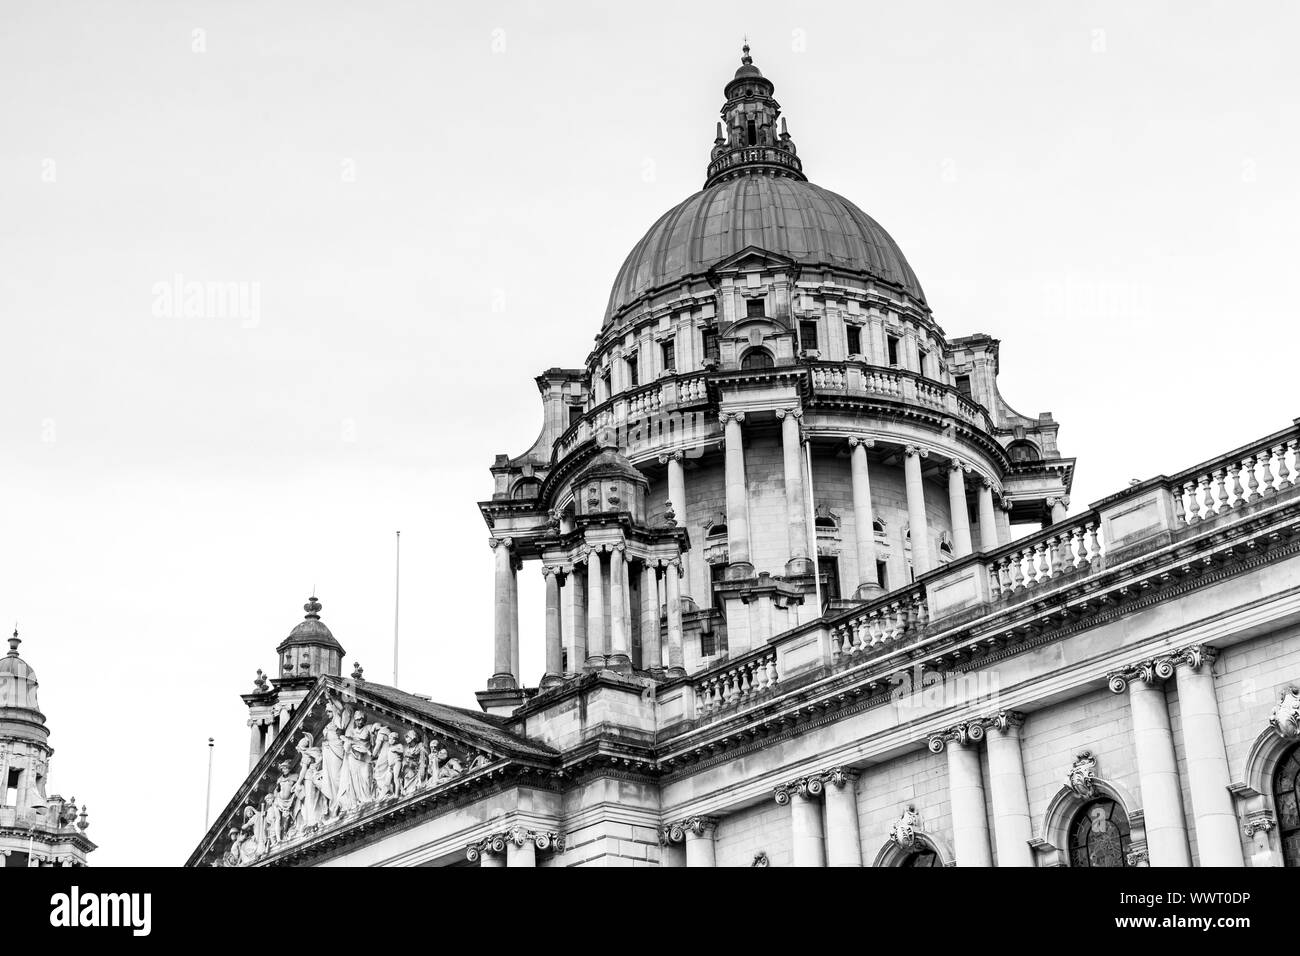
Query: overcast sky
(425, 205)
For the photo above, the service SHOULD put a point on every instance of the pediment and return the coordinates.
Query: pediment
(352, 751)
(753, 259)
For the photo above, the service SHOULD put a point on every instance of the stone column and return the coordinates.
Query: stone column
(620, 645)
(843, 837)
(1058, 508)
(796, 506)
(254, 744)
(520, 849)
(1162, 799)
(970, 828)
(1004, 520)
(961, 543)
(489, 859)
(737, 493)
(988, 517)
(1011, 827)
(596, 645)
(576, 590)
(554, 637)
(677, 500)
(916, 520)
(699, 841)
(503, 630)
(673, 588)
(863, 516)
(808, 845)
(651, 652)
(514, 620)
(1218, 839)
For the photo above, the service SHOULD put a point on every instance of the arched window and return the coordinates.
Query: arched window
(1099, 835)
(1286, 798)
(1023, 451)
(526, 488)
(921, 856)
(878, 525)
(757, 358)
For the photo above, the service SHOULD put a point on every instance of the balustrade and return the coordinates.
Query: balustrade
(1237, 481)
(735, 682)
(1034, 561)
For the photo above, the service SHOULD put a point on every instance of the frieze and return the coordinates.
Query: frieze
(353, 761)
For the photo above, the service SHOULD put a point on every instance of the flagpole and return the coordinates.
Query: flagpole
(397, 602)
(207, 805)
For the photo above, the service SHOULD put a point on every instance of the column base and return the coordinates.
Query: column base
(502, 682)
(504, 701)
(551, 680)
(619, 663)
(867, 592)
(800, 567)
(739, 571)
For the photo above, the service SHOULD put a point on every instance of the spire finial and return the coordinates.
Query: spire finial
(14, 642)
(745, 58)
(312, 607)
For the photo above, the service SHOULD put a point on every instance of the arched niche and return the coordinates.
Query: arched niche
(891, 854)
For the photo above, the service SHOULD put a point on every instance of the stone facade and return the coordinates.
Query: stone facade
(815, 596)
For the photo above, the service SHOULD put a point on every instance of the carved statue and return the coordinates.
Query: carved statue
(312, 804)
(415, 763)
(1285, 718)
(358, 758)
(1082, 774)
(388, 761)
(903, 830)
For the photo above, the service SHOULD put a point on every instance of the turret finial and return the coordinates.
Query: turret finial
(312, 607)
(14, 642)
(745, 58)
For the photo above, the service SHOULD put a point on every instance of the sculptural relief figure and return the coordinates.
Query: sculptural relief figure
(254, 844)
(271, 821)
(334, 782)
(312, 803)
(233, 857)
(283, 800)
(415, 763)
(358, 759)
(387, 760)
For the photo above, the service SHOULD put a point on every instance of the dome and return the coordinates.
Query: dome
(17, 680)
(311, 632)
(780, 214)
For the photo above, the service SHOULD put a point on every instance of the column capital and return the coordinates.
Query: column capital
(488, 846)
(965, 734)
(809, 788)
(986, 482)
(507, 543)
(795, 413)
(728, 417)
(678, 455)
(1005, 503)
(917, 450)
(1148, 672)
(619, 546)
(840, 777)
(854, 442)
(521, 836)
(1194, 655)
(1005, 721)
(548, 570)
(676, 832)
(956, 464)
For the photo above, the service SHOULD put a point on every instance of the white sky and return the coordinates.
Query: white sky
(1107, 187)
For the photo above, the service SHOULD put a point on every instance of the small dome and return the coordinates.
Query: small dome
(610, 463)
(17, 680)
(311, 631)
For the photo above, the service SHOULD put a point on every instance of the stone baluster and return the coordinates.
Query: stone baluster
(1252, 481)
